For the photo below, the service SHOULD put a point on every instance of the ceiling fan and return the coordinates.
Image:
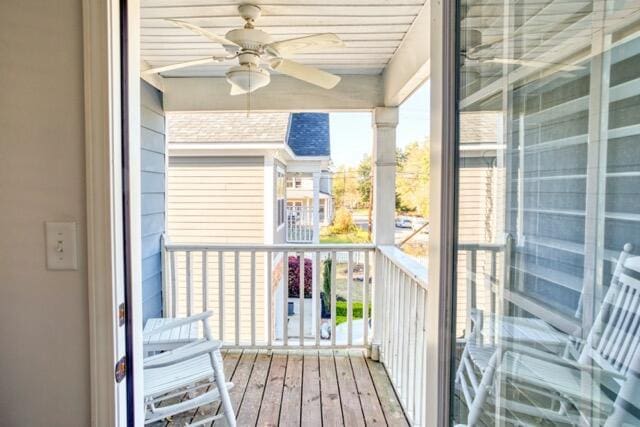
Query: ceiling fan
(472, 46)
(254, 48)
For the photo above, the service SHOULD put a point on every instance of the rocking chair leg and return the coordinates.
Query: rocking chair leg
(218, 370)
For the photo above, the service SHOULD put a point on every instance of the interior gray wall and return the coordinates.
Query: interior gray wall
(152, 181)
(44, 322)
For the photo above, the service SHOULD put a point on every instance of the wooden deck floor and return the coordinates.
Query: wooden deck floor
(305, 388)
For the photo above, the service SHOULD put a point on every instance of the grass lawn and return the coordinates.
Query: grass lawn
(359, 236)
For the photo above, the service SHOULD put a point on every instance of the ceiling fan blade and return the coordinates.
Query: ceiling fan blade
(308, 74)
(208, 34)
(535, 64)
(305, 44)
(179, 65)
(236, 90)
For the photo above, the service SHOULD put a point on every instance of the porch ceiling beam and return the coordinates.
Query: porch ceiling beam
(409, 67)
(354, 92)
(154, 80)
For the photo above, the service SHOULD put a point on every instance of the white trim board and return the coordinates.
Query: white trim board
(104, 231)
(105, 234)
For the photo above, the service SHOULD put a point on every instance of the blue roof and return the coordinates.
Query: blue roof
(309, 134)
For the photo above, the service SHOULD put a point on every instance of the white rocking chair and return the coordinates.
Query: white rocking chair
(602, 387)
(186, 369)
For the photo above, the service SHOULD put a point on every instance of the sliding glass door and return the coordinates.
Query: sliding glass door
(547, 287)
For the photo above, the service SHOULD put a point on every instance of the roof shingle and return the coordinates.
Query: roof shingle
(227, 127)
(309, 134)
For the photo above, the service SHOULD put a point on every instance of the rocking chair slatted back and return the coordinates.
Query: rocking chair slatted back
(615, 335)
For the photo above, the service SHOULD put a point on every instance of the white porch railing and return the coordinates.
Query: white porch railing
(403, 334)
(243, 285)
(299, 224)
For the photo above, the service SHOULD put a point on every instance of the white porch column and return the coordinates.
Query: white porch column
(385, 120)
(316, 208)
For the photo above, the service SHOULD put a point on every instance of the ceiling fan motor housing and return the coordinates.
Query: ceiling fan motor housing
(249, 38)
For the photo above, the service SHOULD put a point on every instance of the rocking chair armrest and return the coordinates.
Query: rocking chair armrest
(178, 322)
(559, 360)
(181, 354)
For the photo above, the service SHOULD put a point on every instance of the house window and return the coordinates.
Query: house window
(322, 210)
(294, 182)
(280, 197)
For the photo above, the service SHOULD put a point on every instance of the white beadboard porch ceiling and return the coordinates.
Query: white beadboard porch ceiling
(372, 30)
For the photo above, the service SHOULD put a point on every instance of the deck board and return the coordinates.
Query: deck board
(311, 409)
(371, 407)
(270, 409)
(240, 379)
(390, 406)
(304, 388)
(329, 392)
(351, 407)
(292, 392)
(250, 406)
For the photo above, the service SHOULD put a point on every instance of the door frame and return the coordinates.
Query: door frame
(442, 217)
(113, 207)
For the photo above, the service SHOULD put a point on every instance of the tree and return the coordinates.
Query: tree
(412, 178)
(364, 180)
(345, 188)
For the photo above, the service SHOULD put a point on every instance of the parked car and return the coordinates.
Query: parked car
(403, 222)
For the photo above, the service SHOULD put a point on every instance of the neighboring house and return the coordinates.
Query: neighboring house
(481, 206)
(309, 136)
(230, 170)
(300, 196)
(227, 186)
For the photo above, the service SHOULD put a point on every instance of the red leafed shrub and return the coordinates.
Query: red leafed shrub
(294, 277)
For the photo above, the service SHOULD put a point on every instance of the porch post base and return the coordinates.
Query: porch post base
(373, 352)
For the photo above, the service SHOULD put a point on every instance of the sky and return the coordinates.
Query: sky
(352, 135)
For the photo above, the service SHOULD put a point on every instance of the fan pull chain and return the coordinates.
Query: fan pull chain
(249, 94)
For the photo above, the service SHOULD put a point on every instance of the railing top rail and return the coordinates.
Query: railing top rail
(271, 248)
(481, 246)
(406, 263)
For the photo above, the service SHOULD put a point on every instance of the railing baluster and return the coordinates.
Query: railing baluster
(388, 304)
(269, 300)
(236, 270)
(285, 294)
(411, 350)
(406, 336)
(333, 298)
(365, 299)
(423, 371)
(493, 280)
(174, 286)
(205, 282)
(349, 297)
(253, 298)
(301, 297)
(221, 295)
(189, 284)
(316, 294)
(397, 326)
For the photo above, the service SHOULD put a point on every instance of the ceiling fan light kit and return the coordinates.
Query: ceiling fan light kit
(247, 78)
(253, 47)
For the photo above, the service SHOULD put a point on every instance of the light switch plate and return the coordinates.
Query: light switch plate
(61, 245)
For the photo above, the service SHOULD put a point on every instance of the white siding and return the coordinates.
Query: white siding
(216, 200)
(219, 200)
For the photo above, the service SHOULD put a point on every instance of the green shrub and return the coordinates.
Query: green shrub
(341, 311)
(343, 222)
